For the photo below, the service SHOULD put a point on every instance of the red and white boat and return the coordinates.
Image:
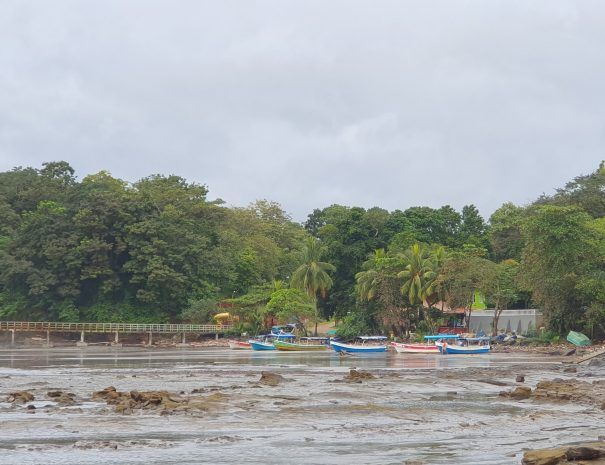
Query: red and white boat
(402, 348)
(432, 345)
(239, 345)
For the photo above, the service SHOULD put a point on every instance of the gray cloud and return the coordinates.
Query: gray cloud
(309, 103)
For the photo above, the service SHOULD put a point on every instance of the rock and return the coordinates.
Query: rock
(20, 397)
(544, 457)
(31, 407)
(584, 453)
(62, 398)
(570, 370)
(569, 352)
(127, 402)
(357, 376)
(564, 455)
(520, 392)
(597, 362)
(270, 379)
(520, 379)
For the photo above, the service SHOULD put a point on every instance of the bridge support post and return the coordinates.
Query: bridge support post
(150, 339)
(183, 342)
(216, 337)
(12, 337)
(116, 341)
(48, 344)
(81, 342)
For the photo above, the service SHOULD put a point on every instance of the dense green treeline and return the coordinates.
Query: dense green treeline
(101, 249)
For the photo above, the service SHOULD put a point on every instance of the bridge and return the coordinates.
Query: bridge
(115, 328)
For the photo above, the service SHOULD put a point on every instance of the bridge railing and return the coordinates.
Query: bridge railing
(60, 326)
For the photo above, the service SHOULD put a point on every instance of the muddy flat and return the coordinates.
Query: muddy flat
(217, 407)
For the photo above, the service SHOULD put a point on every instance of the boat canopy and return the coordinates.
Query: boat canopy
(372, 338)
(434, 337)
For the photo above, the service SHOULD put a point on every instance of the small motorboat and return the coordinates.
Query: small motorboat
(306, 344)
(429, 347)
(266, 342)
(239, 345)
(364, 346)
(467, 345)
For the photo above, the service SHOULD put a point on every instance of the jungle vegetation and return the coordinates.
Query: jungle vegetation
(159, 250)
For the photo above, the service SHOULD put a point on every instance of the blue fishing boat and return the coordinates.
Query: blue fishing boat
(364, 346)
(467, 345)
(266, 342)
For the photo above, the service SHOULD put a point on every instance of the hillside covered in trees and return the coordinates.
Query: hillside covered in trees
(158, 250)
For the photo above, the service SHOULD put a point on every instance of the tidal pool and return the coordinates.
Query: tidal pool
(419, 409)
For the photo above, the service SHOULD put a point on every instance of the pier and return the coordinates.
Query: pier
(15, 327)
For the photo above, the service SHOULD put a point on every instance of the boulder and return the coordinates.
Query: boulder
(62, 397)
(520, 379)
(20, 397)
(270, 379)
(520, 392)
(357, 376)
(567, 454)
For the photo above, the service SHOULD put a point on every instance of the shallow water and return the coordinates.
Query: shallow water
(436, 409)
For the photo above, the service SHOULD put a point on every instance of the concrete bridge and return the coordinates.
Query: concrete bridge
(116, 328)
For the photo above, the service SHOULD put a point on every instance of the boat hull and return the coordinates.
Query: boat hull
(259, 345)
(239, 345)
(294, 347)
(466, 350)
(357, 349)
(415, 348)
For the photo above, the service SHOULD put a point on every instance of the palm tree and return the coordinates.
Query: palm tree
(312, 275)
(369, 279)
(418, 275)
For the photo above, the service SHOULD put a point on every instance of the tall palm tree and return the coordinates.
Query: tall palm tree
(418, 275)
(369, 279)
(312, 275)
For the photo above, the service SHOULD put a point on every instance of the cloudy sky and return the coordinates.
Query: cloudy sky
(376, 102)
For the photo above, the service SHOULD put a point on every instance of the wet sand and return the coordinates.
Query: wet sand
(426, 408)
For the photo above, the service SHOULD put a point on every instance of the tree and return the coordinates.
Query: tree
(418, 275)
(312, 275)
(505, 232)
(561, 246)
(502, 290)
(462, 275)
(292, 304)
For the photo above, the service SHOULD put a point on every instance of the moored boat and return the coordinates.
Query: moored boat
(298, 346)
(467, 345)
(239, 345)
(266, 342)
(363, 347)
(578, 339)
(431, 346)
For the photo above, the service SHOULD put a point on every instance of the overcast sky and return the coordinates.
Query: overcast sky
(370, 103)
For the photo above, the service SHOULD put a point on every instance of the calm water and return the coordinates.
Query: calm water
(436, 409)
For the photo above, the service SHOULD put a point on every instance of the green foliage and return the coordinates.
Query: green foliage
(200, 311)
(353, 326)
(291, 305)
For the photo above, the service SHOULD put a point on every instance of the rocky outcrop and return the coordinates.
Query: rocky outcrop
(20, 397)
(562, 390)
(591, 453)
(163, 401)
